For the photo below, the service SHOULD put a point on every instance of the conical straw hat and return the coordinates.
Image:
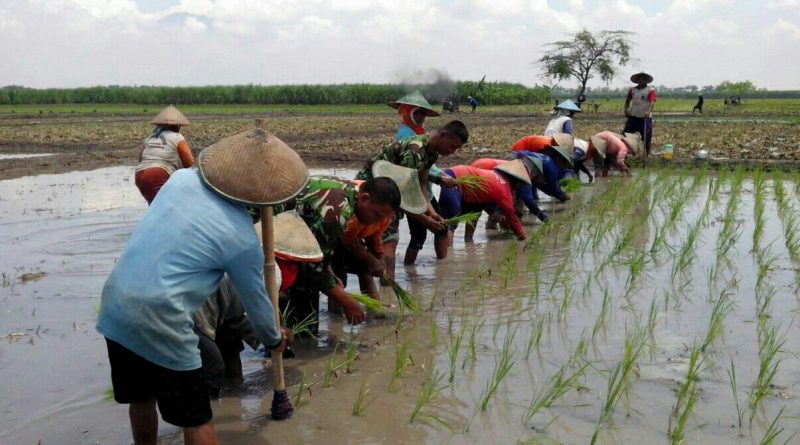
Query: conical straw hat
(293, 239)
(580, 143)
(170, 116)
(411, 198)
(536, 163)
(417, 99)
(253, 167)
(516, 169)
(564, 152)
(599, 145)
(634, 142)
(563, 140)
(569, 106)
(635, 78)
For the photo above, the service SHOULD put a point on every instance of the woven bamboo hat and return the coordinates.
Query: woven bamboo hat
(411, 198)
(643, 76)
(170, 116)
(599, 145)
(293, 239)
(633, 141)
(516, 169)
(254, 168)
(536, 163)
(564, 152)
(563, 139)
(417, 99)
(569, 106)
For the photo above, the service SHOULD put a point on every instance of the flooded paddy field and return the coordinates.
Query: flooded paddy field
(654, 309)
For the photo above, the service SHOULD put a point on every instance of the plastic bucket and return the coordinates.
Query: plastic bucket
(668, 149)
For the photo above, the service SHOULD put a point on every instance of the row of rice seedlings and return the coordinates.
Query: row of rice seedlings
(472, 342)
(686, 254)
(677, 201)
(770, 345)
(619, 378)
(602, 316)
(759, 192)
(503, 365)
(535, 337)
(303, 387)
(559, 384)
(430, 389)
(452, 352)
(333, 366)
(402, 360)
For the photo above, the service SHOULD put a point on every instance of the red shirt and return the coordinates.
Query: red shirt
(497, 190)
(534, 143)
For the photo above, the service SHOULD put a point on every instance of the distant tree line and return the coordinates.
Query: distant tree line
(487, 93)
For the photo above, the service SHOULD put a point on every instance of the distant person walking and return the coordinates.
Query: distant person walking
(639, 109)
(472, 103)
(163, 152)
(699, 105)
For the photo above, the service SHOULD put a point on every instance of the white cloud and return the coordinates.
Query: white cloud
(194, 25)
(784, 4)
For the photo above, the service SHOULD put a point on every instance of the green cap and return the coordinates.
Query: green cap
(417, 99)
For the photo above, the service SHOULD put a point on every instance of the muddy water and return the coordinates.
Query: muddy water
(61, 234)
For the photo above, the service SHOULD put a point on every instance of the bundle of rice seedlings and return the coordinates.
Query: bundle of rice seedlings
(469, 218)
(403, 297)
(570, 185)
(472, 183)
(369, 303)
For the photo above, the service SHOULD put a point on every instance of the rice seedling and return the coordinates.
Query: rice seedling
(472, 343)
(560, 383)
(535, 337)
(570, 185)
(303, 387)
(402, 360)
(351, 355)
(433, 328)
(430, 389)
(774, 430)
(452, 352)
(468, 218)
(734, 390)
(503, 365)
(360, 405)
(302, 327)
(686, 398)
(403, 297)
(618, 379)
(472, 183)
(600, 322)
(770, 344)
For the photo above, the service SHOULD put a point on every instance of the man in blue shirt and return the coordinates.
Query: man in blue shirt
(196, 230)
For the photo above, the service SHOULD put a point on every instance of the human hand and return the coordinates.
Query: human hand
(434, 222)
(287, 337)
(353, 312)
(447, 181)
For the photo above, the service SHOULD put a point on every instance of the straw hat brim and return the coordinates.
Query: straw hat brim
(569, 106)
(294, 240)
(562, 151)
(537, 164)
(415, 98)
(426, 111)
(580, 143)
(407, 179)
(170, 116)
(253, 168)
(635, 78)
(563, 139)
(599, 145)
(633, 141)
(515, 169)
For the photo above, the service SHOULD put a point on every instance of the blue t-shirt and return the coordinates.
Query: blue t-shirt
(174, 260)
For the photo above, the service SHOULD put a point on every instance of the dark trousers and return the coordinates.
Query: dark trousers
(418, 231)
(643, 126)
(220, 359)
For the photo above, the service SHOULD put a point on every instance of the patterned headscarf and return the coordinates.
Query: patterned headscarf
(407, 114)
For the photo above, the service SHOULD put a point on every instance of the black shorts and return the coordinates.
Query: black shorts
(182, 396)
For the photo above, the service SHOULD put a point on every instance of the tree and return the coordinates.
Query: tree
(737, 88)
(585, 55)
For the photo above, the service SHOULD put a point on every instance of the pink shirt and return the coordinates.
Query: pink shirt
(615, 148)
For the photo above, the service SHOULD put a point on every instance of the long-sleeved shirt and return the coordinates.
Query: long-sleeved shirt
(435, 173)
(616, 150)
(523, 191)
(495, 190)
(174, 260)
(534, 143)
(551, 175)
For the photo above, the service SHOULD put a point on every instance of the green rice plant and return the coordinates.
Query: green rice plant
(686, 398)
(432, 387)
(503, 365)
(560, 383)
(452, 352)
(770, 344)
(468, 218)
(602, 316)
(351, 355)
(651, 328)
(403, 297)
(402, 360)
(434, 332)
(472, 183)
(722, 307)
(472, 343)
(618, 379)
(302, 327)
(774, 430)
(734, 390)
(360, 405)
(303, 387)
(570, 185)
(535, 337)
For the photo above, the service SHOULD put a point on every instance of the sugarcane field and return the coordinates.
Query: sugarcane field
(305, 229)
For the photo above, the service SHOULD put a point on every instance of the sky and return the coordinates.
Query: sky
(75, 43)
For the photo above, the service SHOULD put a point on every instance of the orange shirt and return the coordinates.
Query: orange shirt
(534, 143)
(355, 231)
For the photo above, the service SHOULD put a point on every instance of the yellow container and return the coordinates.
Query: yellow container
(667, 154)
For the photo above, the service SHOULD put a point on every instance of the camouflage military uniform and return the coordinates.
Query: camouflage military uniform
(413, 152)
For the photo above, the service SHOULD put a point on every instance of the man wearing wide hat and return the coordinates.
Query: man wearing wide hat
(639, 105)
(198, 230)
